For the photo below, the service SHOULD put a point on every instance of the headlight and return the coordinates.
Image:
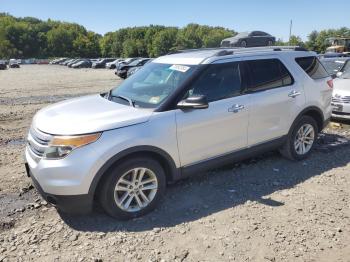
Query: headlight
(61, 146)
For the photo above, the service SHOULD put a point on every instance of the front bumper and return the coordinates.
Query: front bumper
(337, 115)
(341, 110)
(71, 175)
(73, 204)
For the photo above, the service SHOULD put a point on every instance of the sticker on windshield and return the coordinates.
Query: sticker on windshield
(180, 68)
(154, 100)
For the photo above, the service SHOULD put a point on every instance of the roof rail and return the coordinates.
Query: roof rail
(222, 51)
(196, 50)
(270, 48)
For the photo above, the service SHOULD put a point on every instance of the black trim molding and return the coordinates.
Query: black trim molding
(232, 157)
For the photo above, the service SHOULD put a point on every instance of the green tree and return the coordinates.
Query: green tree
(87, 45)
(295, 41)
(164, 42)
(106, 43)
(311, 43)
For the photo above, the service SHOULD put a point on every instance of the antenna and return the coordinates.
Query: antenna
(290, 29)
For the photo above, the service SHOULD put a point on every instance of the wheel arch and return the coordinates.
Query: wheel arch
(171, 171)
(315, 113)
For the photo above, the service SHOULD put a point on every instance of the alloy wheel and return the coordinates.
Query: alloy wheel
(135, 189)
(304, 139)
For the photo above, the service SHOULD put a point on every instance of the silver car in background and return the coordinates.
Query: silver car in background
(341, 93)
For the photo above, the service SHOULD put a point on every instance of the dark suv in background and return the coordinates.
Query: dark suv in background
(3, 65)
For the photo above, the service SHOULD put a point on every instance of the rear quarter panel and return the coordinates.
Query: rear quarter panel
(317, 92)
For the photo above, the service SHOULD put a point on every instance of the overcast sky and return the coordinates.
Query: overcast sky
(272, 16)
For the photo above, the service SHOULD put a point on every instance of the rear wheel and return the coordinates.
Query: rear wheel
(301, 139)
(133, 188)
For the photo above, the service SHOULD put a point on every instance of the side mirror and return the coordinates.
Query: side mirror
(194, 102)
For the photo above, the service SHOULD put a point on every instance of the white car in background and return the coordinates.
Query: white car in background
(114, 64)
(341, 93)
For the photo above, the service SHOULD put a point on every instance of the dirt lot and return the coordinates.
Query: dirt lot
(263, 209)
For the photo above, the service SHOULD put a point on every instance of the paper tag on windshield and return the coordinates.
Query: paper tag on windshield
(154, 100)
(180, 68)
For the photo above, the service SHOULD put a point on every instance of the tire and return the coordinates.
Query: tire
(243, 43)
(291, 150)
(115, 202)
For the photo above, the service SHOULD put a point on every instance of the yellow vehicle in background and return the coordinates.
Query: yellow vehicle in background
(338, 45)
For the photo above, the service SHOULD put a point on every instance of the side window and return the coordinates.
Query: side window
(259, 33)
(312, 66)
(267, 74)
(219, 81)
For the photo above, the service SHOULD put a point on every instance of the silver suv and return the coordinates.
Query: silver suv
(180, 114)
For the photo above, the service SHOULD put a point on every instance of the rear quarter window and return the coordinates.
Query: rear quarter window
(312, 66)
(267, 74)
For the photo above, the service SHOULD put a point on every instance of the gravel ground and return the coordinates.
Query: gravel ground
(262, 209)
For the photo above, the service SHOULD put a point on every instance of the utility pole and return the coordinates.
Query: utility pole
(290, 29)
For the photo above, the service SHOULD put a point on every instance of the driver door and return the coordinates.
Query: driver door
(221, 128)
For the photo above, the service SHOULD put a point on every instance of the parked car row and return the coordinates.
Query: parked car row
(3, 65)
(12, 63)
(122, 66)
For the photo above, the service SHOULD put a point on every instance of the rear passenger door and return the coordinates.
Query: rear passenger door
(275, 98)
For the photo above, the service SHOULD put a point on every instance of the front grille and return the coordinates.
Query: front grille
(38, 142)
(341, 99)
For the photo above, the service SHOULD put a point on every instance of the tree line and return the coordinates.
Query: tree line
(317, 40)
(30, 37)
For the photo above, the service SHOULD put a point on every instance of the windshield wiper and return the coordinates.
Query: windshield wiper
(131, 102)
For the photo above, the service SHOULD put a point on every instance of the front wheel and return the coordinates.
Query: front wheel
(301, 139)
(243, 43)
(133, 188)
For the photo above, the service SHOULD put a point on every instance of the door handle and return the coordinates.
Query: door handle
(235, 108)
(294, 94)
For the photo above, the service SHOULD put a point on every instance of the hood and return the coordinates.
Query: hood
(341, 87)
(87, 114)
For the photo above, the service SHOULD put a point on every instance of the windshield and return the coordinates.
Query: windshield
(152, 84)
(339, 42)
(333, 66)
(346, 71)
(243, 34)
(134, 63)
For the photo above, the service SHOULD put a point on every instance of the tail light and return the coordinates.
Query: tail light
(330, 83)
